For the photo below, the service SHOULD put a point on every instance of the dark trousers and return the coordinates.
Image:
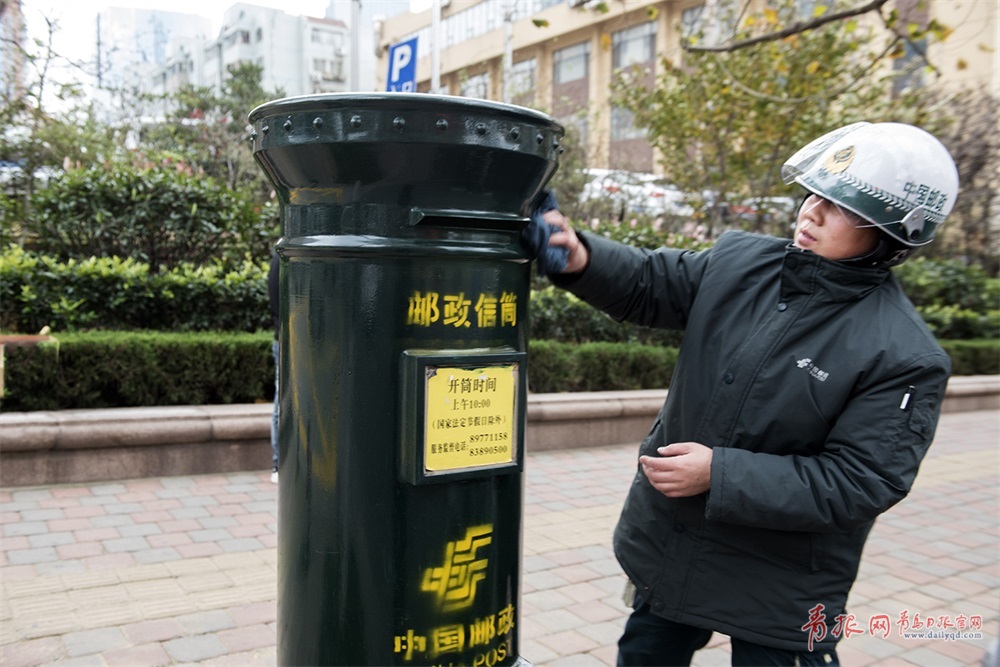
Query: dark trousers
(654, 641)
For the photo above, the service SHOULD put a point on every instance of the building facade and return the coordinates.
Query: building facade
(12, 37)
(133, 44)
(299, 55)
(564, 54)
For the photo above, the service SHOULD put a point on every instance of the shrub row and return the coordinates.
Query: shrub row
(957, 302)
(560, 367)
(117, 369)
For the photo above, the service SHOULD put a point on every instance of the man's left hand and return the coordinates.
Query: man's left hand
(682, 469)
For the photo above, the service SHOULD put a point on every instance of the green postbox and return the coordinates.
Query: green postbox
(404, 306)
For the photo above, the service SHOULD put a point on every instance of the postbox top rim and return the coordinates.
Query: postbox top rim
(402, 101)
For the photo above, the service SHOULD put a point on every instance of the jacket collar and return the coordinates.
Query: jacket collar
(804, 272)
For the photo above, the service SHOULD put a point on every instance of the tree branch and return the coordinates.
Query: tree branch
(794, 29)
(812, 98)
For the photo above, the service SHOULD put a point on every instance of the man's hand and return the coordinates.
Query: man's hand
(682, 469)
(579, 256)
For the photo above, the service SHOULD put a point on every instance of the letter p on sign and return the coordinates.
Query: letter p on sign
(402, 67)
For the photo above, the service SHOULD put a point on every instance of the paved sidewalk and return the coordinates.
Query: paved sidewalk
(181, 570)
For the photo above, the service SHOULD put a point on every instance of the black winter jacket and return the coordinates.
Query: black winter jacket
(819, 389)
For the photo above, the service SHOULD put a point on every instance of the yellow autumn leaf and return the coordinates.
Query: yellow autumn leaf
(812, 67)
(751, 21)
(961, 64)
(819, 10)
(605, 41)
(540, 23)
(940, 31)
(770, 15)
(652, 12)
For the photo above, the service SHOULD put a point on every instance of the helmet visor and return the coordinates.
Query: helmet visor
(806, 157)
(849, 217)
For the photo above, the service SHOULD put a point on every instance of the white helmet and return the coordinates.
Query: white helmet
(896, 176)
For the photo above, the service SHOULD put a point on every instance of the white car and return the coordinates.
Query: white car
(634, 193)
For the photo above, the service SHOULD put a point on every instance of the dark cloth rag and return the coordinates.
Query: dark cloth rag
(548, 259)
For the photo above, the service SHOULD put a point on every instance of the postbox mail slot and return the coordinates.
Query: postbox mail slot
(466, 219)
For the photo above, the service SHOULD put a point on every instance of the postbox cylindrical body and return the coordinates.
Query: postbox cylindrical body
(404, 309)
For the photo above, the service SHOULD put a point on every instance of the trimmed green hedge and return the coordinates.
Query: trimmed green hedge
(973, 357)
(120, 369)
(561, 367)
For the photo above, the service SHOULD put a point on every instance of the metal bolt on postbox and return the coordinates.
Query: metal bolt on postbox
(403, 372)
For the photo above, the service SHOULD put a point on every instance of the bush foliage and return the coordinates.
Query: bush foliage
(117, 369)
(106, 312)
(162, 216)
(958, 302)
(112, 294)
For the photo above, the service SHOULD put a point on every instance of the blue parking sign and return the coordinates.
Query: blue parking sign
(402, 67)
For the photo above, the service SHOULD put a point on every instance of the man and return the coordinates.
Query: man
(806, 393)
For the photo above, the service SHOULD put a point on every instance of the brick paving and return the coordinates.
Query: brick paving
(182, 570)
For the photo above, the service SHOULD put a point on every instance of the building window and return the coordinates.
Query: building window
(477, 86)
(633, 45)
(698, 26)
(691, 21)
(319, 36)
(623, 125)
(908, 69)
(521, 78)
(571, 63)
(328, 70)
(482, 17)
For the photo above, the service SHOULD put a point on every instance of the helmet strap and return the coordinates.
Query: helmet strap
(888, 252)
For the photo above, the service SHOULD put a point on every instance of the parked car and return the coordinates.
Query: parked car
(772, 209)
(769, 209)
(633, 193)
(13, 176)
